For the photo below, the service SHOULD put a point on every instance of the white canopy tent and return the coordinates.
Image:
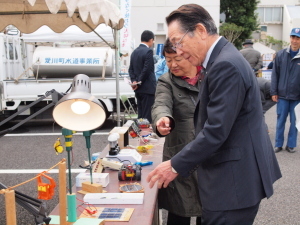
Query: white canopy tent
(72, 33)
(263, 49)
(29, 15)
(266, 53)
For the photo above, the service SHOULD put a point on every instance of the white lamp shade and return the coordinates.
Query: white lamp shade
(89, 119)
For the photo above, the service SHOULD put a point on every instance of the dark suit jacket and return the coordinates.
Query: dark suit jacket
(232, 150)
(142, 69)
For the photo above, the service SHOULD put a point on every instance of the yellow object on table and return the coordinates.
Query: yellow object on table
(144, 148)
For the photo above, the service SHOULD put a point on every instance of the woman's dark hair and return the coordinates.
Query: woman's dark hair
(190, 15)
(168, 47)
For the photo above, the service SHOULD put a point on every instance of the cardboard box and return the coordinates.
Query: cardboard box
(98, 178)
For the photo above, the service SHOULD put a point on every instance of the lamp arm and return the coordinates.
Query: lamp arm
(32, 205)
(55, 97)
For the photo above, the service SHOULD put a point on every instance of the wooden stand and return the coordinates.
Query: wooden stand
(10, 201)
(62, 194)
(10, 208)
(87, 187)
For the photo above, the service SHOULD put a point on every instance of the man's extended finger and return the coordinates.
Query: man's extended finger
(152, 178)
(150, 175)
(161, 183)
(166, 183)
(152, 182)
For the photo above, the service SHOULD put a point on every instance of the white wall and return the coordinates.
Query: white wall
(281, 31)
(274, 30)
(277, 2)
(288, 24)
(145, 15)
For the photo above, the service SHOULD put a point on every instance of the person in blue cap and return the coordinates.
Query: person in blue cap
(285, 90)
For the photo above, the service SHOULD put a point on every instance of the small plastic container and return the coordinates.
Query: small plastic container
(95, 156)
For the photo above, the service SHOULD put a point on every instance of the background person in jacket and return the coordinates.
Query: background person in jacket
(141, 69)
(266, 98)
(161, 68)
(252, 56)
(232, 151)
(270, 66)
(285, 90)
(175, 99)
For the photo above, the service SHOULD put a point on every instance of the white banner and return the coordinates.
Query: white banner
(125, 33)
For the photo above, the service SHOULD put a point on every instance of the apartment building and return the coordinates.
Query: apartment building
(277, 18)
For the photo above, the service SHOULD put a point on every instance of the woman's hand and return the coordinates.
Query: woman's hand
(163, 125)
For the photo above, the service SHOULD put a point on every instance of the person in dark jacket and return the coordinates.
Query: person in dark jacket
(285, 90)
(270, 66)
(175, 98)
(232, 151)
(141, 72)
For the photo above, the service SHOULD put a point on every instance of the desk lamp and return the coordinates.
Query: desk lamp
(78, 111)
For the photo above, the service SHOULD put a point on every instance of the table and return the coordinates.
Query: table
(147, 213)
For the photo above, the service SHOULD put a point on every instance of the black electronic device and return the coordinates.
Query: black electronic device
(114, 150)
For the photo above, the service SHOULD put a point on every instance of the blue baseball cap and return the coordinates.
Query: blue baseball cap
(295, 32)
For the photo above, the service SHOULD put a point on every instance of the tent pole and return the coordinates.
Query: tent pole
(117, 45)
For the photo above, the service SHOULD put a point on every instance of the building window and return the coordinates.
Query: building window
(264, 28)
(11, 49)
(160, 27)
(269, 14)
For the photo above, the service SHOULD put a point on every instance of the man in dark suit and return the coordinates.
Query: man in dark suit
(141, 72)
(232, 152)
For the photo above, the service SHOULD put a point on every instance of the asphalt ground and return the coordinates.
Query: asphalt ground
(36, 152)
(283, 208)
(24, 151)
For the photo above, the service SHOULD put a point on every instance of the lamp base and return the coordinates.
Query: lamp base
(72, 215)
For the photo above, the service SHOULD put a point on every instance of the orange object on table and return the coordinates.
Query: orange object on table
(45, 190)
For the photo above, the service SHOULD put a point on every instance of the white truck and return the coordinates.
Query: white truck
(29, 68)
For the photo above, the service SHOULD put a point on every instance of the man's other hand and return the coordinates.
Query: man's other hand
(163, 125)
(134, 85)
(162, 174)
(275, 98)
